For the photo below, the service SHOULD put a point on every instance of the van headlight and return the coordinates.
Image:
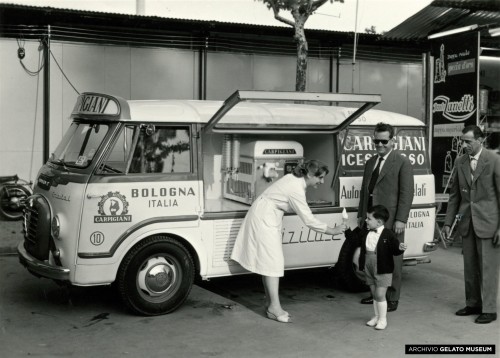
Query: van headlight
(55, 227)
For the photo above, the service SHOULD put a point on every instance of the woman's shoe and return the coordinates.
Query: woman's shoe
(372, 322)
(284, 318)
(285, 312)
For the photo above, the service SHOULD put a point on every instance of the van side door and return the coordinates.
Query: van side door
(148, 176)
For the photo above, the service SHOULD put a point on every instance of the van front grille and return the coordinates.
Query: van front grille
(30, 224)
(36, 227)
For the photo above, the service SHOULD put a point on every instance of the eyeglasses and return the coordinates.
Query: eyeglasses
(383, 141)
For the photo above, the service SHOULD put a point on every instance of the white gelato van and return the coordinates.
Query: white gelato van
(149, 194)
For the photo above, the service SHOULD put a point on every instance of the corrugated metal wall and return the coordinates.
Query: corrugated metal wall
(162, 73)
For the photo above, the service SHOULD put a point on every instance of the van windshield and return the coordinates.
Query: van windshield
(79, 145)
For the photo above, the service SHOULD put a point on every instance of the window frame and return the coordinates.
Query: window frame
(152, 177)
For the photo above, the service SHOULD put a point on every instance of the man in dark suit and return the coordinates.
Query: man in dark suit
(388, 181)
(475, 200)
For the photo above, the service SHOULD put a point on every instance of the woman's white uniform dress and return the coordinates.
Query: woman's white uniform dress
(258, 245)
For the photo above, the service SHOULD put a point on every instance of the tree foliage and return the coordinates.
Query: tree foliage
(300, 10)
(371, 30)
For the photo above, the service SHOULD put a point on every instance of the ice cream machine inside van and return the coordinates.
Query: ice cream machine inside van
(250, 167)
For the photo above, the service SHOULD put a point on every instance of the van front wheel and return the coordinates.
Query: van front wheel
(156, 276)
(347, 273)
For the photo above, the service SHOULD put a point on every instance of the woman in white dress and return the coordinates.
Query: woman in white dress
(258, 245)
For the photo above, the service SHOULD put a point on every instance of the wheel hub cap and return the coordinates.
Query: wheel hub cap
(157, 276)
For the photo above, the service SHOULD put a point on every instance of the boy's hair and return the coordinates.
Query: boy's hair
(379, 212)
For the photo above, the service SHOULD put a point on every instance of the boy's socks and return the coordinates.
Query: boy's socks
(382, 314)
(374, 319)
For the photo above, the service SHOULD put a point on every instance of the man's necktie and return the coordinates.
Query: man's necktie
(375, 174)
(473, 165)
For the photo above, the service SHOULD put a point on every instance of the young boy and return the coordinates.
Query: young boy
(378, 246)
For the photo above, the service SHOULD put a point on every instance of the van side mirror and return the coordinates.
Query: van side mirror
(149, 129)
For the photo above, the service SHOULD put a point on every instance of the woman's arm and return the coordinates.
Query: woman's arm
(335, 230)
(299, 204)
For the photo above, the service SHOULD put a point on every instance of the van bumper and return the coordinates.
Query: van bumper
(41, 268)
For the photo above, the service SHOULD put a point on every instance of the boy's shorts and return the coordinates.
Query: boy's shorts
(371, 276)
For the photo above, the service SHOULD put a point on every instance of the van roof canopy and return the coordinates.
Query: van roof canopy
(245, 112)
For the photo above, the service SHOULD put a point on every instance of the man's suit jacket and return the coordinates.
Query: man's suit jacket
(477, 199)
(393, 189)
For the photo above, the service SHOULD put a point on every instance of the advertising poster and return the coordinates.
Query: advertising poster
(455, 100)
(359, 147)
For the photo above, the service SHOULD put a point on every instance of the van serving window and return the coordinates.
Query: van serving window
(288, 112)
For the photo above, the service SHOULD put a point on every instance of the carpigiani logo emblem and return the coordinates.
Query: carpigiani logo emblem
(113, 208)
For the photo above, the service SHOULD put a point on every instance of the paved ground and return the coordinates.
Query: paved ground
(10, 236)
(225, 318)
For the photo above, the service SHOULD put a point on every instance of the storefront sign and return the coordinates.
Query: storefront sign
(359, 147)
(455, 99)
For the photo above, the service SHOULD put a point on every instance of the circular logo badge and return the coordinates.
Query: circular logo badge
(113, 204)
(97, 238)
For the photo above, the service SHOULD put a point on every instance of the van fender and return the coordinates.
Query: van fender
(186, 233)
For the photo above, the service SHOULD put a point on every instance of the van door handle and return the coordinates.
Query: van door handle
(92, 196)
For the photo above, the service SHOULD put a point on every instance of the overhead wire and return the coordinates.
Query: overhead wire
(216, 42)
(64, 74)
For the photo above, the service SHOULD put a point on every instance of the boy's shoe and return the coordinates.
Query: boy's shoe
(381, 324)
(372, 322)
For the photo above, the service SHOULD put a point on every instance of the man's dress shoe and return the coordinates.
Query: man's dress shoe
(367, 300)
(467, 311)
(392, 306)
(486, 318)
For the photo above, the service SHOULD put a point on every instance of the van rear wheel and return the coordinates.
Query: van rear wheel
(156, 276)
(347, 273)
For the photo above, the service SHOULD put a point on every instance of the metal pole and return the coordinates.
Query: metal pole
(140, 7)
(46, 96)
(202, 71)
(337, 84)
(330, 77)
(205, 59)
(355, 45)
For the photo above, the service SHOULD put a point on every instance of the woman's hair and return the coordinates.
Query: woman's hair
(314, 167)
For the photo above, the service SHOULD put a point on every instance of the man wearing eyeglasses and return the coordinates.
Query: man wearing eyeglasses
(388, 181)
(475, 198)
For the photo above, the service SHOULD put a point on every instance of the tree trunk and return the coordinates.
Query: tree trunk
(302, 50)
